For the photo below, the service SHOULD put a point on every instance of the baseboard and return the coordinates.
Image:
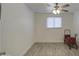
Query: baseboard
(26, 50)
(3, 53)
(49, 42)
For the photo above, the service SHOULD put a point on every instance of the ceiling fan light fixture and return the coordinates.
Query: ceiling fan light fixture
(57, 9)
(56, 12)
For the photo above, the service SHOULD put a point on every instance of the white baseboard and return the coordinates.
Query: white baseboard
(50, 42)
(29, 46)
(26, 50)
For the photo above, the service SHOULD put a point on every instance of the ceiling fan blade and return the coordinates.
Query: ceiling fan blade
(65, 10)
(66, 5)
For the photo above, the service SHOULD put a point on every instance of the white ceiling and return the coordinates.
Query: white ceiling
(45, 8)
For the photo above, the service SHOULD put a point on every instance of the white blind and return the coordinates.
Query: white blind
(54, 22)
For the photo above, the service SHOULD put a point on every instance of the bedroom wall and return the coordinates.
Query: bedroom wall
(76, 24)
(18, 28)
(0, 32)
(0, 37)
(43, 34)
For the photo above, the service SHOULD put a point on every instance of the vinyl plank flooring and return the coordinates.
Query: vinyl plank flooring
(51, 49)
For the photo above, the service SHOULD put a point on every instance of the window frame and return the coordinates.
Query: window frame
(54, 22)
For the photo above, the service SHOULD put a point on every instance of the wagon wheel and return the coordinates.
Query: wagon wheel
(75, 46)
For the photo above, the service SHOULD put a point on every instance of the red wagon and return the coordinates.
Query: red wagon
(70, 41)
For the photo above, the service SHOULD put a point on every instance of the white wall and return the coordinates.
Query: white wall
(0, 36)
(0, 31)
(76, 24)
(42, 34)
(18, 28)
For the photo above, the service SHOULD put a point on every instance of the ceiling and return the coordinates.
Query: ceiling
(46, 8)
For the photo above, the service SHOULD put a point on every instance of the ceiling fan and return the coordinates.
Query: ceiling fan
(57, 8)
(61, 7)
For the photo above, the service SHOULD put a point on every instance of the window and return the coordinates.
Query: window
(54, 22)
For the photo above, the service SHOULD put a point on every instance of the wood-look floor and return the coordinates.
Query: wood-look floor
(51, 49)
